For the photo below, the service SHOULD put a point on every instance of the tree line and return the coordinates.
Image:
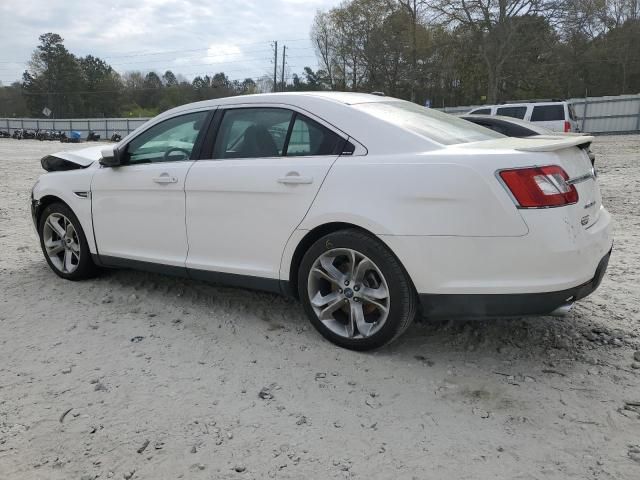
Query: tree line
(461, 52)
(447, 52)
(71, 86)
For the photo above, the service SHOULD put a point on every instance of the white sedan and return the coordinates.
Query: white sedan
(368, 209)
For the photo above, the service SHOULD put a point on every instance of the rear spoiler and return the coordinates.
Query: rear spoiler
(551, 143)
(538, 143)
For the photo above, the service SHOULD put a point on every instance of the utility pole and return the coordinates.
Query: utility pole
(284, 56)
(275, 67)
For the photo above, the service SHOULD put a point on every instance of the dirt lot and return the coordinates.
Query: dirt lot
(134, 375)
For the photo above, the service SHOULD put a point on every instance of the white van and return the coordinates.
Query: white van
(558, 116)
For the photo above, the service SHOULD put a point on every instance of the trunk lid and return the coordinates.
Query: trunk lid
(582, 175)
(571, 152)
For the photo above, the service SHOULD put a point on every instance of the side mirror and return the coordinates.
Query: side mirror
(110, 157)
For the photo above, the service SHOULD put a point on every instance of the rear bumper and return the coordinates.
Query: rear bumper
(508, 305)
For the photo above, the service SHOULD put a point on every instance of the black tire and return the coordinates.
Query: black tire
(85, 267)
(403, 299)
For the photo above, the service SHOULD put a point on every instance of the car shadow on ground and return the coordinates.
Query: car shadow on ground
(536, 339)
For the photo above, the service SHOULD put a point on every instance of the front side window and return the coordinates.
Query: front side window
(482, 111)
(514, 112)
(547, 113)
(169, 141)
(311, 138)
(252, 133)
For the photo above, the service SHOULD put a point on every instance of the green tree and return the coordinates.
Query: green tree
(53, 79)
(102, 87)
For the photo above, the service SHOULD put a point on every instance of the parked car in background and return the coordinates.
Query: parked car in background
(556, 115)
(363, 207)
(512, 127)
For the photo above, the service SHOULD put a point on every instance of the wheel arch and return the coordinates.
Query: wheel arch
(318, 232)
(81, 208)
(43, 203)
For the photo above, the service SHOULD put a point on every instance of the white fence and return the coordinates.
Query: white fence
(619, 114)
(105, 127)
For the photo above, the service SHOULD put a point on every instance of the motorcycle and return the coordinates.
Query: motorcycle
(60, 135)
(92, 136)
(4, 134)
(116, 137)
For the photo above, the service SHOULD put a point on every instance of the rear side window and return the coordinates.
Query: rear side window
(514, 112)
(311, 138)
(252, 133)
(482, 111)
(547, 113)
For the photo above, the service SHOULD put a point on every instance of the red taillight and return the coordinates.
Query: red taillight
(567, 126)
(540, 187)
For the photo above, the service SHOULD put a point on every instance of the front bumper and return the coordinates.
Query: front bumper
(508, 305)
(35, 205)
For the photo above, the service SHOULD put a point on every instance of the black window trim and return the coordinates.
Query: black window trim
(197, 146)
(214, 128)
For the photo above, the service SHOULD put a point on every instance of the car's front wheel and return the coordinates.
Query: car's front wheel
(354, 290)
(64, 244)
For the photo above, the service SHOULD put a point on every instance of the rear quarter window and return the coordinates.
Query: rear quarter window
(427, 122)
(547, 113)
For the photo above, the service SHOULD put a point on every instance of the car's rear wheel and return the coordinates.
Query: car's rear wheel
(355, 291)
(64, 244)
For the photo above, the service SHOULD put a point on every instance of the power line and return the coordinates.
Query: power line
(136, 53)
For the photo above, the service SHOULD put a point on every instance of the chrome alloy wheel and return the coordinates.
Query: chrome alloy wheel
(348, 293)
(61, 243)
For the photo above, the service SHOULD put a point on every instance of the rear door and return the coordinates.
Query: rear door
(551, 116)
(256, 186)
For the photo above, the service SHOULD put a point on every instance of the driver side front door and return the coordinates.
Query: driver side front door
(139, 207)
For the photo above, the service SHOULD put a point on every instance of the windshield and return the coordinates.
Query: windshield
(432, 124)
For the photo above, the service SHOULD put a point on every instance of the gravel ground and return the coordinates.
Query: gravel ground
(135, 375)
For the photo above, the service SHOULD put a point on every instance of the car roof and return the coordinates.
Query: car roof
(520, 104)
(295, 98)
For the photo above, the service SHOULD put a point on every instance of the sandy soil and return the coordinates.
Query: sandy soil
(134, 375)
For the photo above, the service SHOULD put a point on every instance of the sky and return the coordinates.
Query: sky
(189, 37)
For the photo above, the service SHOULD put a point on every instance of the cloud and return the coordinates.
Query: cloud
(203, 36)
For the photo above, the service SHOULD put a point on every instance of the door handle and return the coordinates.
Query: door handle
(294, 178)
(165, 178)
